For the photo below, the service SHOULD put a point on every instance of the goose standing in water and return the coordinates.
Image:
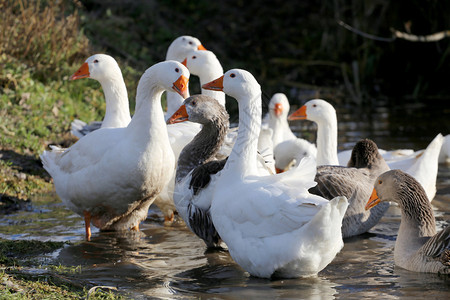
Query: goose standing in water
(112, 175)
(272, 225)
(418, 247)
(106, 70)
(196, 168)
(356, 183)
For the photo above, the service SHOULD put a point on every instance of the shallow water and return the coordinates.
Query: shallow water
(170, 262)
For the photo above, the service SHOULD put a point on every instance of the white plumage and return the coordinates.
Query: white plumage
(272, 225)
(112, 175)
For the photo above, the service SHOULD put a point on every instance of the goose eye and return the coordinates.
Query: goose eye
(177, 70)
(380, 181)
(194, 57)
(96, 61)
(314, 105)
(190, 43)
(193, 103)
(232, 75)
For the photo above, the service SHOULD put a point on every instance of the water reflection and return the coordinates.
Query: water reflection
(175, 264)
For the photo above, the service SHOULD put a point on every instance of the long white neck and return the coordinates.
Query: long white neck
(243, 157)
(327, 131)
(281, 129)
(148, 119)
(117, 108)
(209, 74)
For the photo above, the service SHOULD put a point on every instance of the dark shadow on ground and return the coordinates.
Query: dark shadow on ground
(24, 163)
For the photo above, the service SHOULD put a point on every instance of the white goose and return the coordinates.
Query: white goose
(271, 224)
(277, 119)
(105, 70)
(418, 247)
(196, 167)
(112, 175)
(422, 165)
(286, 145)
(289, 153)
(178, 51)
(207, 67)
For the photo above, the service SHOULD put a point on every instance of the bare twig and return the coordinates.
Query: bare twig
(364, 34)
(421, 38)
(398, 34)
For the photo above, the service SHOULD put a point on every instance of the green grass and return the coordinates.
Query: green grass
(18, 286)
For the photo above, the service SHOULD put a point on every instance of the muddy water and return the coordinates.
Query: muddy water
(170, 262)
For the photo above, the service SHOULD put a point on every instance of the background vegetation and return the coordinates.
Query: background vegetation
(295, 47)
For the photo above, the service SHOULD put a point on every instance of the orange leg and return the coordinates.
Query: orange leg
(136, 227)
(168, 219)
(87, 224)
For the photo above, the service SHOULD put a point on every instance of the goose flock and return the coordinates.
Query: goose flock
(280, 205)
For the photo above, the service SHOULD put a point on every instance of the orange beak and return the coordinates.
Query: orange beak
(374, 200)
(200, 47)
(181, 86)
(278, 109)
(179, 116)
(83, 72)
(215, 85)
(184, 62)
(279, 170)
(299, 114)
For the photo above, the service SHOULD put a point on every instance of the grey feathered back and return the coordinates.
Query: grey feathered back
(356, 183)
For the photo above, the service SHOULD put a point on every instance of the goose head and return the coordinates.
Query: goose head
(198, 59)
(365, 154)
(399, 187)
(237, 83)
(289, 153)
(279, 106)
(181, 46)
(168, 75)
(99, 67)
(316, 110)
(201, 109)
